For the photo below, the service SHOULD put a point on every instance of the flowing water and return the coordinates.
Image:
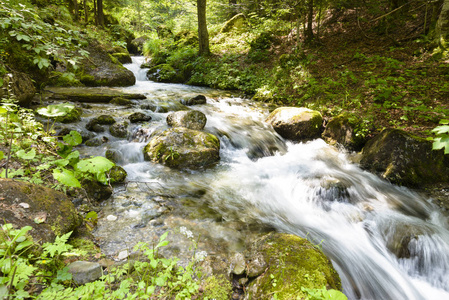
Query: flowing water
(386, 242)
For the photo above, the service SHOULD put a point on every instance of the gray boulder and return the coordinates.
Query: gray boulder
(296, 123)
(139, 117)
(119, 130)
(404, 159)
(191, 119)
(183, 148)
(200, 99)
(85, 271)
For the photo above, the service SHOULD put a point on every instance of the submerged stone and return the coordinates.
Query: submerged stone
(139, 117)
(296, 123)
(183, 148)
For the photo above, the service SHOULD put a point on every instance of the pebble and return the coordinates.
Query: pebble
(111, 218)
(24, 205)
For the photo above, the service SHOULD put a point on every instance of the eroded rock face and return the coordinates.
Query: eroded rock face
(345, 130)
(49, 212)
(296, 123)
(21, 86)
(404, 159)
(292, 263)
(191, 119)
(183, 148)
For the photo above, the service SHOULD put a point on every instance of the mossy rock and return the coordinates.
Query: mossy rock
(292, 263)
(296, 123)
(405, 159)
(100, 120)
(199, 99)
(183, 148)
(191, 119)
(237, 22)
(119, 130)
(96, 190)
(96, 141)
(50, 212)
(165, 73)
(22, 87)
(139, 117)
(136, 45)
(120, 101)
(123, 57)
(113, 155)
(117, 174)
(74, 115)
(346, 130)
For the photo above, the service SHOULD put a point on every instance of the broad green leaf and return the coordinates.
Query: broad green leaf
(66, 177)
(56, 110)
(73, 138)
(2, 155)
(26, 155)
(441, 129)
(95, 165)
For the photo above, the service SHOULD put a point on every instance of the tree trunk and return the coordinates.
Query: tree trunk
(442, 28)
(100, 13)
(86, 19)
(139, 16)
(203, 35)
(76, 9)
(309, 32)
(95, 12)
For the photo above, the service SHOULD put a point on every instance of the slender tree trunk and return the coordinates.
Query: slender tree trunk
(309, 32)
(86, 19)
(139, 15)
(442, 27)
(100, 13)
(76, 9)
(203, 35)
(95, 12)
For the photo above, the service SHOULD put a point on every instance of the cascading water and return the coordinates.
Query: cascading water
(386, 242)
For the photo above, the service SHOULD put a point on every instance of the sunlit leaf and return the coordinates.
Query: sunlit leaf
(66, 177)
(73, 138)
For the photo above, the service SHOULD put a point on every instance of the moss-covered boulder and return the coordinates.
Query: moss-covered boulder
(49, 212)
(199, 99)
(346, 130)
(191, 119)
(89, 95)
(20, 86)
(136, 45)
(404, 159)
(119, 130)
(72, 116)
(165, 73)
(292, 263)
(296, 123)
(122, 57)
(63, 79)
(117, 174)
(102, 69)
(139, 117)
(113, 155)
(96, 141)
(183, 148)
(237, 22)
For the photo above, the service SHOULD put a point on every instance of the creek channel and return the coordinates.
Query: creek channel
(385, 241)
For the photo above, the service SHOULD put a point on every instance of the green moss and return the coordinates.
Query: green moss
(72, 116)
(294, 263)
(217, 287)
(120, 101)
(165, 73)
(117, 174)
(63, 79)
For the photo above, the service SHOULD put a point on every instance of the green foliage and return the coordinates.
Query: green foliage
(324, 294)
(442, 136)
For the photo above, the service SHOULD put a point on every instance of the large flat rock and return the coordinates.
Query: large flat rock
(89, 94)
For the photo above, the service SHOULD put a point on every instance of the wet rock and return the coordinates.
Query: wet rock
(191, 119)
(49, 212)
(296, 123)
(256, 265)
(122, 57)
(183, 148)
(404, 159)
(292, 263)
(87, 135)
(238, 264)
(96, 190)
(200, 99)
(113, 155)
(139, 117)
(119, 130)
(97, 141)
(85, 271)
(117, 174)
(120, 101)
(100, 69)
(346, 130)
(136, 45)
(22, 87)
(92, 125)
